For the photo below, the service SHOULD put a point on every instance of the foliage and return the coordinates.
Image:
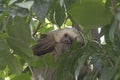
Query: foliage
(22, 21)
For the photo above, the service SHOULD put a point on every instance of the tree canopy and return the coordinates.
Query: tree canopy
(22, 22)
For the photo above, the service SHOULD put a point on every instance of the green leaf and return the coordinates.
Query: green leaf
(118, 14)
(11, 2)
(61, 2)
(105, 31)
(51, 17)
(7, 59)
(107, 73)
(90, 13)
(87, 76)
(44, 61)
(24, 76)
(112, 32)
(81, 62)
(62, 60)
(40, 8)
(26, 4)
(20, 37)
(1, 78)
(60, 15)
(49, 60)
(37, 62)
(117, 77)
(1, 75)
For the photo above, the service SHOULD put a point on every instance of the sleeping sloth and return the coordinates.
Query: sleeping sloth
(56, 42)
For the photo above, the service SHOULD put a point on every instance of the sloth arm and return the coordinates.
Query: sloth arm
(44, 45)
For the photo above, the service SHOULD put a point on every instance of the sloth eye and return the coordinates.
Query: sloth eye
(65, 35)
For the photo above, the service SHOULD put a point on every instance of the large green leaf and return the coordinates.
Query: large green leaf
(20, 37)
(107, 73)
(37, 62)
(7, 59)
(60, 15)
(41, 7)
(90, 13)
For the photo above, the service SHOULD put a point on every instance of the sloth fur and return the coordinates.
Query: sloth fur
(56, 42)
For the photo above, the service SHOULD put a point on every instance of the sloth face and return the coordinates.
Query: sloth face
(68, 33)
(66, 39)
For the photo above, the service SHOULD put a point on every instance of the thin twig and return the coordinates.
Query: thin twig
(39, 24)
(94, 75)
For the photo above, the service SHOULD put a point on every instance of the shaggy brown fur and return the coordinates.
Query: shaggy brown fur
(55, 43)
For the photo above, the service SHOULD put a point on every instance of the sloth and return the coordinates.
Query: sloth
(58, 41)
(55, 43)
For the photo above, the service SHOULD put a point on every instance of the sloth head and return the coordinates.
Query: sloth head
(58, 41)
(67, 36)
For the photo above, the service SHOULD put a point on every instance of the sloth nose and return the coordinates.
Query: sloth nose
(68, 41)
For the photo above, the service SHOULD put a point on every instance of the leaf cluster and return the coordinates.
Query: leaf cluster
(23, 21)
